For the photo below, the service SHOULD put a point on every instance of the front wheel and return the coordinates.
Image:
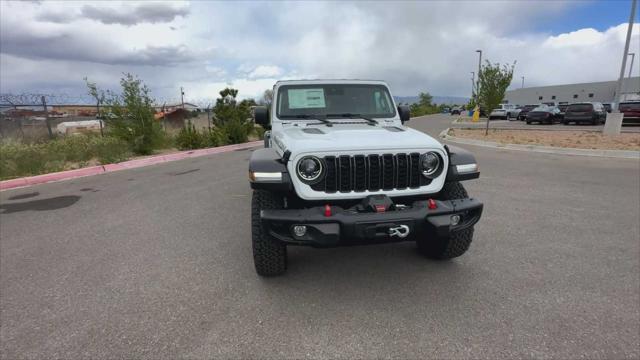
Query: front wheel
(456, 243)
(269, 255)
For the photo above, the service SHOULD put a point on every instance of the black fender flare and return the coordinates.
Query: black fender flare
(460, 156)
(267, 160)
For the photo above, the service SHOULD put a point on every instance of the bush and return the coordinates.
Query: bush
(131, 116)
(216, 137)
(189, 138)
(237, 131)
(20, 159)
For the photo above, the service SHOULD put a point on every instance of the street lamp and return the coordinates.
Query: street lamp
(522, 82)
(633, 55)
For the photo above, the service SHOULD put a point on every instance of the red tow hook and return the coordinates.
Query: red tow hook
(327, 210)
(431, 204)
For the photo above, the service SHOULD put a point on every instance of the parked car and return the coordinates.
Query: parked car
(522, 115)
(563, 109)
(502, 112)
(585, 112)
(631, 111)
(607, 107)
(514, 113)
(456, 111)
(544, 114)
(498, 114)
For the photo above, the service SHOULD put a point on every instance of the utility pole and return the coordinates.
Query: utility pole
(182, 96)
(613, 123)
(46, 114)
(209, 116)
(478, 82)
(522, 87)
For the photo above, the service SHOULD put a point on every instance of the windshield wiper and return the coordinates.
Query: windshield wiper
(370, 121)
(308, 117)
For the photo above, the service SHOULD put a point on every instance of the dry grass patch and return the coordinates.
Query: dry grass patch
(566, 139)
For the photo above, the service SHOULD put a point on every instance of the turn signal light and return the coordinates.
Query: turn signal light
(327, 210)
(431, 204)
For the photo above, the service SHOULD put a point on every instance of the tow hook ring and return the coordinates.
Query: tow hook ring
(401, 231)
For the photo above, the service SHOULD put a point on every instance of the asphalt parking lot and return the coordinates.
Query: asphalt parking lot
(156, 262)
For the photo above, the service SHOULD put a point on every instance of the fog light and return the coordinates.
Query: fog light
(299, 230)
(455, 220)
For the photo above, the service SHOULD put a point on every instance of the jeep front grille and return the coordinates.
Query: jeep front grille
(347, 173)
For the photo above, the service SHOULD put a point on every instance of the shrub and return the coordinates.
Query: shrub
(237, 131)
(216, 137)
(259, 130)
(131, 116)
(189, 138)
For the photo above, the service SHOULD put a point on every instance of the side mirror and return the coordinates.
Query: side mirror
(404, 112)
(261, 115)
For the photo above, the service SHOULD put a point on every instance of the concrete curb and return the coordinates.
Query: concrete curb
(131, 164)
(620, 154)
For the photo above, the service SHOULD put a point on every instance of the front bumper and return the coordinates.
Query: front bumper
(350, 227)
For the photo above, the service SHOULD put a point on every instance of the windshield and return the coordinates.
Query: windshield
(334, 100)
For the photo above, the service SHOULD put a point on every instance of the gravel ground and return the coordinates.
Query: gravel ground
(566, 139)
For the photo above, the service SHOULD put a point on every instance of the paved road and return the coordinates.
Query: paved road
(156, 263)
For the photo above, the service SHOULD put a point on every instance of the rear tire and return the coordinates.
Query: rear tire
(457, 243)
(269, 255)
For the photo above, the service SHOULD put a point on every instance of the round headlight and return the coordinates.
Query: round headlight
(430, 164)
(309, 169)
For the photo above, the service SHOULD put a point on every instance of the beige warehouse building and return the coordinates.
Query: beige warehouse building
(603, 92)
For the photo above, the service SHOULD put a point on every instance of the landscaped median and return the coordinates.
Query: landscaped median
(575, 142)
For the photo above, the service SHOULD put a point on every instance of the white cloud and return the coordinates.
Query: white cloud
(203, 46)
(266, 71)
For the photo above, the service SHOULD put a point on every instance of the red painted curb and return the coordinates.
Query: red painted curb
(130, 164)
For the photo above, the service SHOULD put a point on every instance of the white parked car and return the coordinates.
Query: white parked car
(505, 111)
(339, 168)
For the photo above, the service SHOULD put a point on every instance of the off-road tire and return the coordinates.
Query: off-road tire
(269, 255)
(457, 243)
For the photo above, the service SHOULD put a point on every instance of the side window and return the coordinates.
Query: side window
(382, 105)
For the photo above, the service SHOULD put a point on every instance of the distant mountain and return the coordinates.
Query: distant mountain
(449, 100)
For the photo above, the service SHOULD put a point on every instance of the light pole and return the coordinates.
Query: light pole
(633, 55)
(479, 72)
(522, 87)
(613, 123)
(473, 83)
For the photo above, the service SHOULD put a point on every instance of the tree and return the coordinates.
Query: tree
(425, 100)
(267, 98)
(99, 96)
(227, 109)
(130, 116)
(494, 80)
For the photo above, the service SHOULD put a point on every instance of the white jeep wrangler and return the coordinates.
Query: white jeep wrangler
(340, 168)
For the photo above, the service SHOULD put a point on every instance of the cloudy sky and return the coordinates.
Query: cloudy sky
(48, 47)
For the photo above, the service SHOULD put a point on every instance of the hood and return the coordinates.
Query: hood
(303, 138)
